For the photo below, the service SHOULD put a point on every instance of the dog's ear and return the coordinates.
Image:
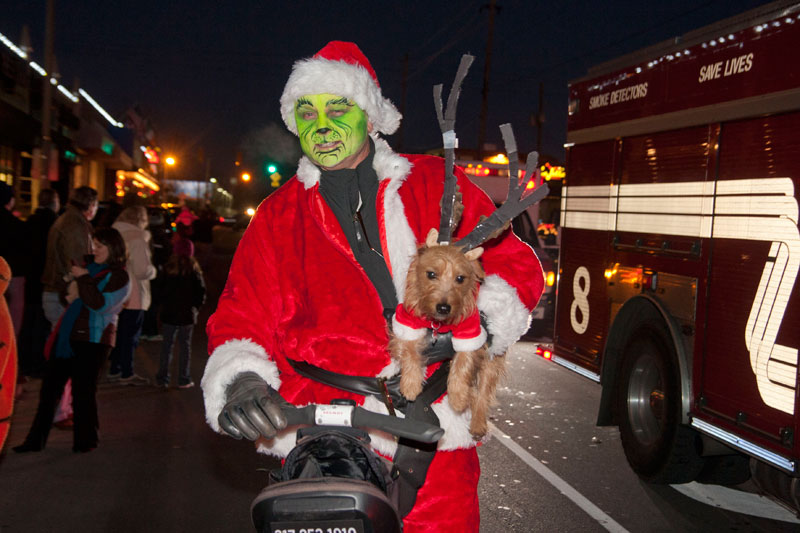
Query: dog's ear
(474, 254)
(433, 236)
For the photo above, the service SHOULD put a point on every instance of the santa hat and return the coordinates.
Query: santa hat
(340, 68)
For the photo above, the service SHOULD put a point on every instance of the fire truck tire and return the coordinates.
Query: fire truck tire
(658, 447)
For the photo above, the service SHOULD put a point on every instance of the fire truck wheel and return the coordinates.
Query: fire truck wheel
(658, 447)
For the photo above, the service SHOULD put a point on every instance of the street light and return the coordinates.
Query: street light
(245, 176)
(169, 161)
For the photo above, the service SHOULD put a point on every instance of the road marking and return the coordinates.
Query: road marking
(737, 501)
(551, 477)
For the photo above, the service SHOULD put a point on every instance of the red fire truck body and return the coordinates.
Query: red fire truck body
(680, 248)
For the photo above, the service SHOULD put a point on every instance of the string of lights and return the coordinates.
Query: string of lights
(54, 81)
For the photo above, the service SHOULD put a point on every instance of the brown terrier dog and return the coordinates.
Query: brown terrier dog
(441, 294)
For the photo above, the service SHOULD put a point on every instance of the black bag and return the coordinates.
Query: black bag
(331, 480)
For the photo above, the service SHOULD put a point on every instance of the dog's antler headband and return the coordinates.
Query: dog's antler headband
(447, 122)
(516, 201)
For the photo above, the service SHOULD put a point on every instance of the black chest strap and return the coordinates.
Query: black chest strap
(412, 459)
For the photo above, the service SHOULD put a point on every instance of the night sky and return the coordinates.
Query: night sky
(209, 74)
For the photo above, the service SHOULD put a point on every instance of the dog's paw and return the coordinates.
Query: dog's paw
(478, 428)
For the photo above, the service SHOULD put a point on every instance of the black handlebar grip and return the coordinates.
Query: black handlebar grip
(402, 427)
(299, 416)
(361, 418)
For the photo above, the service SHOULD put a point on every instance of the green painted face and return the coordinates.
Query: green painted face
(332, 130)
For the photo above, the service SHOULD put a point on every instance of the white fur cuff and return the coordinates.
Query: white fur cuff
(228, 360)
(507, 317)
(406, 333)
(468, 345)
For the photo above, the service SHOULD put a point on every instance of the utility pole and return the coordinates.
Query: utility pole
(540, 120)
(44, 162)
(485, 92)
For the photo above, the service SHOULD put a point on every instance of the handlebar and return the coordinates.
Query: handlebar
(354, 416)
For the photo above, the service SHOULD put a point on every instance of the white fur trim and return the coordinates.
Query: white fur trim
(227, 361)
(401, 243)
(455, 425)
(318, 75)
(468, 345)
(406, 333)
(390, 370)
(387, 163)
(507, 317)
(307, 172)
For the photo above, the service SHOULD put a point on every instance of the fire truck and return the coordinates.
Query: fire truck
(679, 257)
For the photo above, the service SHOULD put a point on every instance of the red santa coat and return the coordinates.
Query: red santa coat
(296, 291)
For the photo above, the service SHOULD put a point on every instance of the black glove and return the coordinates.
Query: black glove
(253, 408)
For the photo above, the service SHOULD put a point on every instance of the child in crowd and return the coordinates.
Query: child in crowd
(183, 293)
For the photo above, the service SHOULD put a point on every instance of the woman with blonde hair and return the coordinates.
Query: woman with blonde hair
(132, 224)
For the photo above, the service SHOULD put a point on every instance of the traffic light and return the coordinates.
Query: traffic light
(271, 170)
(275, 180)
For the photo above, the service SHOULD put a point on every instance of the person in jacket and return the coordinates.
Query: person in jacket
(35, 326)
(69, 241)
(183, 293)
(15, 248)
(132, 225)
(185, 220)
(82, 341)
(324, 261)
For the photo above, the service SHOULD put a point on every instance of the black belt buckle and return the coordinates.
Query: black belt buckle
(387, 399)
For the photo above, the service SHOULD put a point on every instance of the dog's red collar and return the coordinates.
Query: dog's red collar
(469, 328)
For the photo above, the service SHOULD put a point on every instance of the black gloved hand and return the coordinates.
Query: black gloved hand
(253, 408)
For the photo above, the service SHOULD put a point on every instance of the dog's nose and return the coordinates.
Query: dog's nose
(443, 309)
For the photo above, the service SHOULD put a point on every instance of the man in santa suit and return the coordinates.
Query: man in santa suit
(322, 264)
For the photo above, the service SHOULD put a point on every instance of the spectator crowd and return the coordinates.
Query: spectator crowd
(77, 299)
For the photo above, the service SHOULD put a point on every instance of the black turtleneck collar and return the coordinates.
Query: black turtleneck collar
(351, 194)
(341, 188)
